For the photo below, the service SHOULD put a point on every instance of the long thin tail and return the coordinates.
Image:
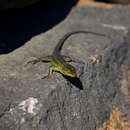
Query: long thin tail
(58, 47)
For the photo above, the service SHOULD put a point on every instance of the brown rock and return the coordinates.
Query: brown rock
(116, 1)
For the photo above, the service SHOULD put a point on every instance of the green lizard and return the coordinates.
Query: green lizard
(58, 61)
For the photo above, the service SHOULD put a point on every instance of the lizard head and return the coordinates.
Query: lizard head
(69, 70)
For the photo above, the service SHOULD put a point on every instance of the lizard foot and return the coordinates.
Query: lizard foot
(33, 60)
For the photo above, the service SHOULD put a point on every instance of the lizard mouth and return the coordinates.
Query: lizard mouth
(72, 75)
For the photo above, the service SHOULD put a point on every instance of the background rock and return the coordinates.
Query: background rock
(116, 1)
(7, 4)
(61, 104)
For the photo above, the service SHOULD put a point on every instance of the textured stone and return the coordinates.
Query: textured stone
(63, 105)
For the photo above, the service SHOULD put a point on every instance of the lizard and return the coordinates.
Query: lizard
(58, 61)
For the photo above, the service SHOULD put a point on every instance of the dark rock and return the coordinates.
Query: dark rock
(7, 4)
(61, 104)
(15, 4)
(19, 25)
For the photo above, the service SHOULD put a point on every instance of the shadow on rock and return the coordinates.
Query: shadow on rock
(75, 81)
(17, 26)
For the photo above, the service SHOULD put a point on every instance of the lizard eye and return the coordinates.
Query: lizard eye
(72, 68)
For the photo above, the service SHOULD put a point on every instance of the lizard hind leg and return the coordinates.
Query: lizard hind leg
(69, 59)
(35, 60)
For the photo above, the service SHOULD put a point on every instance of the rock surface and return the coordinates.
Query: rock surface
(61, 104)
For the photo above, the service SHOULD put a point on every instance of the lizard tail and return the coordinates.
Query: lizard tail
(58, 47)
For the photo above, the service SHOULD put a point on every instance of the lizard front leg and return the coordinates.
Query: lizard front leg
(51, 69)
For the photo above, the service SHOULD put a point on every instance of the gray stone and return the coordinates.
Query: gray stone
(61, 103)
